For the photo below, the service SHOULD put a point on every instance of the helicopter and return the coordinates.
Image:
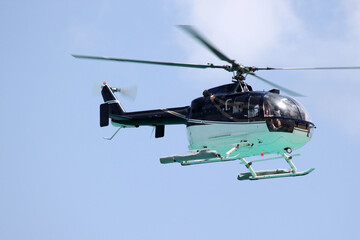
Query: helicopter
(229, 122)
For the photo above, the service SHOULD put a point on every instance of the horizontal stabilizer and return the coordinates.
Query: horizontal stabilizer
(189, 156)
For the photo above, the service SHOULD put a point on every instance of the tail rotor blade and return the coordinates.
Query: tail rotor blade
(129, 92)
(96, 89)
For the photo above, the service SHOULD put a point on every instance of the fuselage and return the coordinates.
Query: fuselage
(259, 122)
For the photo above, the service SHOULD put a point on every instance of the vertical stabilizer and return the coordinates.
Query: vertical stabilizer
(111, 106)
(110, 99)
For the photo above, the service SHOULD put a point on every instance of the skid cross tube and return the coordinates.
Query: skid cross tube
(248, 166)
(288, 160)
(232, 150)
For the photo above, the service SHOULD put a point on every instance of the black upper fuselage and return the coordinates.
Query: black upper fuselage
(226, 103)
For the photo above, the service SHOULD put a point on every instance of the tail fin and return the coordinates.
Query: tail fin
(111, 105)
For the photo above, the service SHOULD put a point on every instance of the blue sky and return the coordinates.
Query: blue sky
(60, 180)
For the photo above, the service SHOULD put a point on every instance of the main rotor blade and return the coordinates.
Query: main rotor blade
(310, 68)
(288, 91)
(190, 30)
(189, 65)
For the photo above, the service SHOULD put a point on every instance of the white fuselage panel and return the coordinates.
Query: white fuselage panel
(254, 138)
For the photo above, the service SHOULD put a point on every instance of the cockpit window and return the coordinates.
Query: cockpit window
(283, 107)
(304, 114)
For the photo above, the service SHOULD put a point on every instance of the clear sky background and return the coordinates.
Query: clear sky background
(60, 180)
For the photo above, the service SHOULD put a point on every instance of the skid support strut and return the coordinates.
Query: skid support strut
(248, 166)
(110, 138)
(277, 173)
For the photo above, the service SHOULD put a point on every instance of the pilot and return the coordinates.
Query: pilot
(277, 115)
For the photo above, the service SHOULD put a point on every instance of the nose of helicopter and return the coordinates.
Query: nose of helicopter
(285, 107)
(287, 120)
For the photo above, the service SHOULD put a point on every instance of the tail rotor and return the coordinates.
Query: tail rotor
(129, 92)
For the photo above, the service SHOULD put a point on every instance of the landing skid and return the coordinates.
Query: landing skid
(211, 156)
(277, 173)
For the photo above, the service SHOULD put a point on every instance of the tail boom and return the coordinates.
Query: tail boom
(112, 109)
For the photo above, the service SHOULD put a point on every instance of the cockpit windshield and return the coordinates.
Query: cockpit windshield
(284, 107)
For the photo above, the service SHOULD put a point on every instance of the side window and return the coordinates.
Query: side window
(240, 106)
(254, 106)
